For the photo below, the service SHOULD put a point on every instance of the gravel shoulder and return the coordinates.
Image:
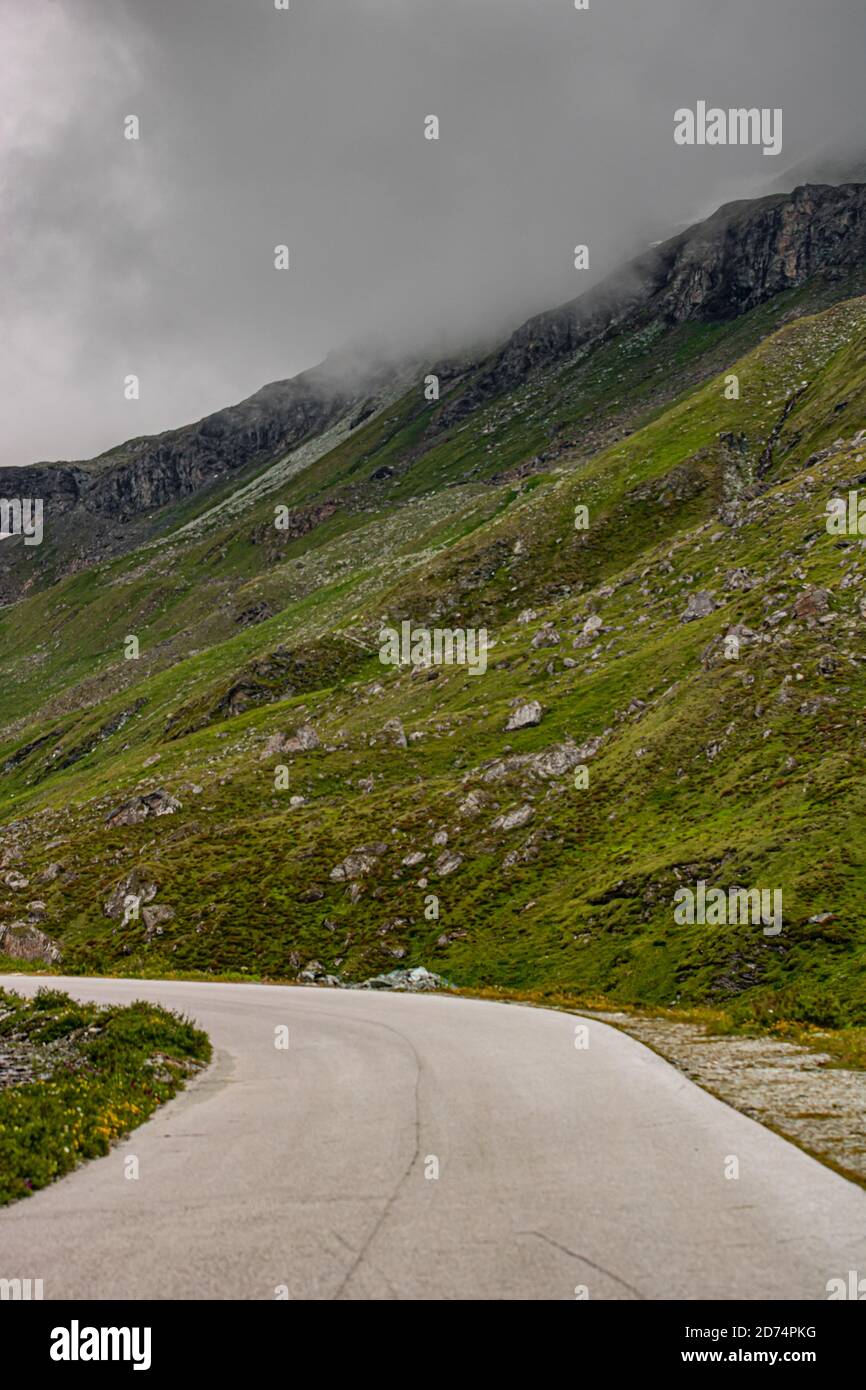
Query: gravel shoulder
(800, 1093)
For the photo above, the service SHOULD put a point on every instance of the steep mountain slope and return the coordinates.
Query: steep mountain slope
(737, 260)
(112, 503)
(734, 261)
(412, 826)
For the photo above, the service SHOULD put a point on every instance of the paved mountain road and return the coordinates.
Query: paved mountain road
(307, 1168)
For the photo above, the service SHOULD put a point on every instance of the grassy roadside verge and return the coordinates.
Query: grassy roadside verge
(846, 1046)
(91, 1074)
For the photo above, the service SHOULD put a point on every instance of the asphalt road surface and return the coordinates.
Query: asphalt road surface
(429, 1147)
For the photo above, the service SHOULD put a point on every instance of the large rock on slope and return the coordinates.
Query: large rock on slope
(139, 808)
(22, 941)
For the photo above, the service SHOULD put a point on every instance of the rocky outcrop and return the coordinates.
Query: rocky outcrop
(132, 890)
(417, 980)
(95, 500)
(22, 941)
(149, 472)
(139, 808)
(735, 260)
(154, 919)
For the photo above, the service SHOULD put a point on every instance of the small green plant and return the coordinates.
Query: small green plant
(98, 1073)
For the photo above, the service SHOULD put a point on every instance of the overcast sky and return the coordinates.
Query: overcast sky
(306, 127)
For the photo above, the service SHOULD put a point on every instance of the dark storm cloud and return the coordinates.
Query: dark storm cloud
(305, 127)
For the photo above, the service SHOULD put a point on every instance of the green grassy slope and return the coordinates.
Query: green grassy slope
(742, 772)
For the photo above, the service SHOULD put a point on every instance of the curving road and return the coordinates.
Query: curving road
(306, 1171)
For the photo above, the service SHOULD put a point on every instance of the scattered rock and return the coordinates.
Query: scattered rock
(546, 636)
(551, 762)
(775, 618)
(811, 605)
(22, 941)
(738, 579)
(354, 866)
(303, 740)
(447, 862)
(744, 635)
(418, 980)
(558, 759)
(394, 731)
(471, 805)
(132, 886)
(312, 972)
(139, 808)
(524, 715)
(513, 819)
(49, 873)
(154, 917)
(699, 606)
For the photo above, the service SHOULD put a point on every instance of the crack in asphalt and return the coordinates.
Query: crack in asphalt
(585, 1260)
(386, 1211)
